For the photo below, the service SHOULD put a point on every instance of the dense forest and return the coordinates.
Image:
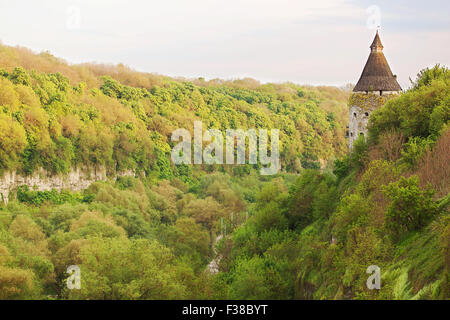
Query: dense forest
(308, 232)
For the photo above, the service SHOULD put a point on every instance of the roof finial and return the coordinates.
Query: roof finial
(377, 75)
(376, 44)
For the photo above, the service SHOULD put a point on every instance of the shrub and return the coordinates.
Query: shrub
(341, 167)
(426, 76)
(421, 112)
(411, 207)
(359, 157)
(414, 150)
(24, 194)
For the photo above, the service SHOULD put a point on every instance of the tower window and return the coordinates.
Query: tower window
(366, 114)
(351, 134)
(354, 114)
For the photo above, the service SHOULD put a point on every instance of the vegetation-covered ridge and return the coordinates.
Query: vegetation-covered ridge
(385, 204)
(57, 116)
(310, 235)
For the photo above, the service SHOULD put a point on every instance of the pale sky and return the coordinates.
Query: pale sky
(306, 42)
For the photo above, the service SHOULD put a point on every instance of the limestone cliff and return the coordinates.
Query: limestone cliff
(77, 179)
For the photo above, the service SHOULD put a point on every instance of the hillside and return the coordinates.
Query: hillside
(308, 232)
(111, 116)
(385, 204)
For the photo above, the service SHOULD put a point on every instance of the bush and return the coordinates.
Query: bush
(411, 207)
(413, 150)
(341, 167)
(417, 113)
(24, 194)
(426, 76)
(358, 157)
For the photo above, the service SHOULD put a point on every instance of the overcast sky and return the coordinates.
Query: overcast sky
(306, 42)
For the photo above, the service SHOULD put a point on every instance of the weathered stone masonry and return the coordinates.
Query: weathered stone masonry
(376, 85)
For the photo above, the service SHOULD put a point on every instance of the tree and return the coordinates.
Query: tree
(207, 212)
(15, 283)
(426, 76)
(258, 278)
(411, 207)
(12, 142)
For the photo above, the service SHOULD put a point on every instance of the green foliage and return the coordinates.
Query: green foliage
(411, 208)
(24, 194)
(126, 269)
(426, 76)
(259, 278)
(421, 112)
(353, 211)
(341, 167)
(59, 124)
(372, 211)
(306, 233)
(358, 156)
(12, 142)
(20, 76)
(414, 149)
(311, 197)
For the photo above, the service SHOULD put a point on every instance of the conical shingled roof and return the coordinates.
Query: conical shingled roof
(376, 43)
(377, 75)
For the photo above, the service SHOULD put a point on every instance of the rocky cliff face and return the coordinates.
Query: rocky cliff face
(77, 179)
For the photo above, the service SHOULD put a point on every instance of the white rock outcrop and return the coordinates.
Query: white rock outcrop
(77, 179)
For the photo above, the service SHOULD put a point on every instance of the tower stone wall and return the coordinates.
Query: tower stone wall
(361, 106)
(358, 118)
(376, 85)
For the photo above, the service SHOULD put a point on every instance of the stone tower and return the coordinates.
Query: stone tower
(376, 85)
